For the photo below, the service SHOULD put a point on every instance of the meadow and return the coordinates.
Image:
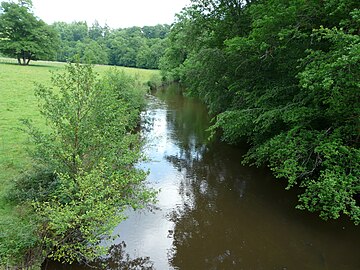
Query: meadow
(17, 101)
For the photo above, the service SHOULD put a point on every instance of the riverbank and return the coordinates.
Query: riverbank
(214, 213)
(17, 84)
(18, 102)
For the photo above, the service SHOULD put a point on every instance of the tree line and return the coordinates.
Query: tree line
(283, 77)
(140, 47)
(26, 37)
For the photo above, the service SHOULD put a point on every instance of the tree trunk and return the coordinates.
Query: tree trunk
(24, 57)
(19, 61)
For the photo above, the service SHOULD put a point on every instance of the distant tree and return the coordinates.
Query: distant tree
(96, 44)
(79, 31)
(149, 55)
(94, 53)
(24, 36)
(157, 31)
(96, 31)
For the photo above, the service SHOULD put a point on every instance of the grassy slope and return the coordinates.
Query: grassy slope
(17, 101)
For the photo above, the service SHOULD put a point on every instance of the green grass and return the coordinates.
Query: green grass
(17, 101)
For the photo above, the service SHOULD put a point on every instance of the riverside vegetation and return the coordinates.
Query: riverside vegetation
(281, 76)
(284, 77)
(68, 194)
(65, 196)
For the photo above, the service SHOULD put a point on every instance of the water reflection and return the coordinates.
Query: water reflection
(234, 217)
(214, 213)
(117, 259)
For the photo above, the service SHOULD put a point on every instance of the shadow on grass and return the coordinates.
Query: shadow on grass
(42, 64)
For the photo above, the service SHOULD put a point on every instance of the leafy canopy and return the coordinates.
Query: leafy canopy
(24, 36)
(282, 76)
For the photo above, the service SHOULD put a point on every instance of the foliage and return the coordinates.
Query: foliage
(282, 76)
(19, 102)
(88, 120)
(132, 91)
(18, 241)
(132, 47)
(78, 216)
(24, 36)
(83, 173)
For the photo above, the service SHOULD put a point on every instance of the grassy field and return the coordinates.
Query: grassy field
(17, 102)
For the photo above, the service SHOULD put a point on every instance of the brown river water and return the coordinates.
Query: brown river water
(214, 213)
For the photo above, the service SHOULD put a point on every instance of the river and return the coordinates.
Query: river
(214, 213)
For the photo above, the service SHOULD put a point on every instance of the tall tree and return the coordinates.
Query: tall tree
(24, 36)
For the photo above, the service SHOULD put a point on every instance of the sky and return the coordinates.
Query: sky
(115, 13)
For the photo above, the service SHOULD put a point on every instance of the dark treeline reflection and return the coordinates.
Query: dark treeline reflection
(117, 259)
(187, 119)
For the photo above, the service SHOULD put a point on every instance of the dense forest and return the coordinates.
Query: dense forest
(283, 77)
(132, 47)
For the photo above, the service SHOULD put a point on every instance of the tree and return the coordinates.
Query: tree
(134, 46)
(24, 36)
(84, 173)
(282, 76)
(149, 55)
(157, 31)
